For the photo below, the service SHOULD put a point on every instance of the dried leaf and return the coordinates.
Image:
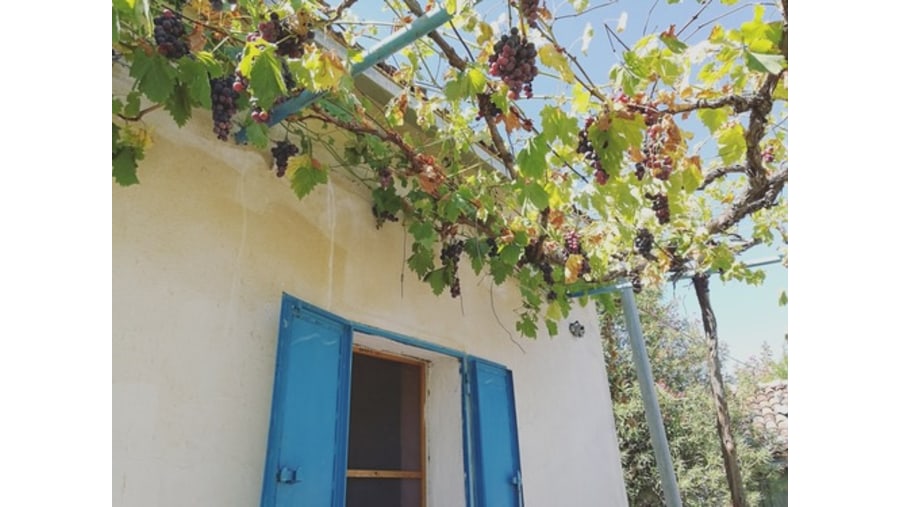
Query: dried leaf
(556, 218)
(511, 121)
(197, 39)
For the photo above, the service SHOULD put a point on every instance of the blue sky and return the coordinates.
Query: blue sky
(747, 316)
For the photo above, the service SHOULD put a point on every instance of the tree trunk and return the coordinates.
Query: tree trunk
(723, 420)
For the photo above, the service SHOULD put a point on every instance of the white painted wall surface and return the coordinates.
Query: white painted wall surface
(204, 247)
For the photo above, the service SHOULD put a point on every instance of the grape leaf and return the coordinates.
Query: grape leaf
(532, 159)
(117, 106)
(581, 99)
(179, 104)
(133, 105)
(558, 125)
(124, 166)
(672, 42)
(422, 259)
(305, 175)
(437, 280)
(537, 195)
(554, 59)
(552, 327)
(500, 270)
(765, 63)
(156, 78)
(194, 73)
(510, 254)
(213, 67)
(477, 250)
(257, 135)
(713, 118)
(423, 233)
(527, 326)
(732, 145)
(266, 81)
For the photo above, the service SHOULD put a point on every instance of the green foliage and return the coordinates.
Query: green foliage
(677, 356)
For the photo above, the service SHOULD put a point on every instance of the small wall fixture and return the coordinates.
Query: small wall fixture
(576, 329)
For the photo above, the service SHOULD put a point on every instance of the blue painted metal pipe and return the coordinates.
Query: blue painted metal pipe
(390, 45)
(648, 396)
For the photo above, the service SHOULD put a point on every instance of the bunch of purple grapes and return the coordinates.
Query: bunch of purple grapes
(450, 259)
(643, 243)
(586, 147)
(660, 206)
(513, 61)
(169, 32)
(282, 151)
(223, 105)
(659, 163)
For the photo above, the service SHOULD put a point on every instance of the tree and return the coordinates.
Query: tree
(609, 180)
(677, 354)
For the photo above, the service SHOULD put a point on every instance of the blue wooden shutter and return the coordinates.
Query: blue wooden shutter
(498, 479)
(307, 453)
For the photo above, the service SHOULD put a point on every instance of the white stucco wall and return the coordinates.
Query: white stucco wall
(203, 248)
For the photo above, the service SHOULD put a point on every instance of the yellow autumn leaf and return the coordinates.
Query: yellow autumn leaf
(554, 59)
(573, 267)
(295, 163)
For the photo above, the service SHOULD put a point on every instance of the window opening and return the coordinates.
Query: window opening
(386, 452)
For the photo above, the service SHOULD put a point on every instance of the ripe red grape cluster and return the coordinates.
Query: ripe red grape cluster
(223, 105)
(259, 115)
(586, 147)
(241, 83)
(659, 163)
(450, 259)
(169, 32)
(282, 151)
(513, 61)
(530, 11)
(660, 206)
(643, 243)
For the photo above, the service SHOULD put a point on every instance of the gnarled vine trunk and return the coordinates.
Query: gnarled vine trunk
(723, 420)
